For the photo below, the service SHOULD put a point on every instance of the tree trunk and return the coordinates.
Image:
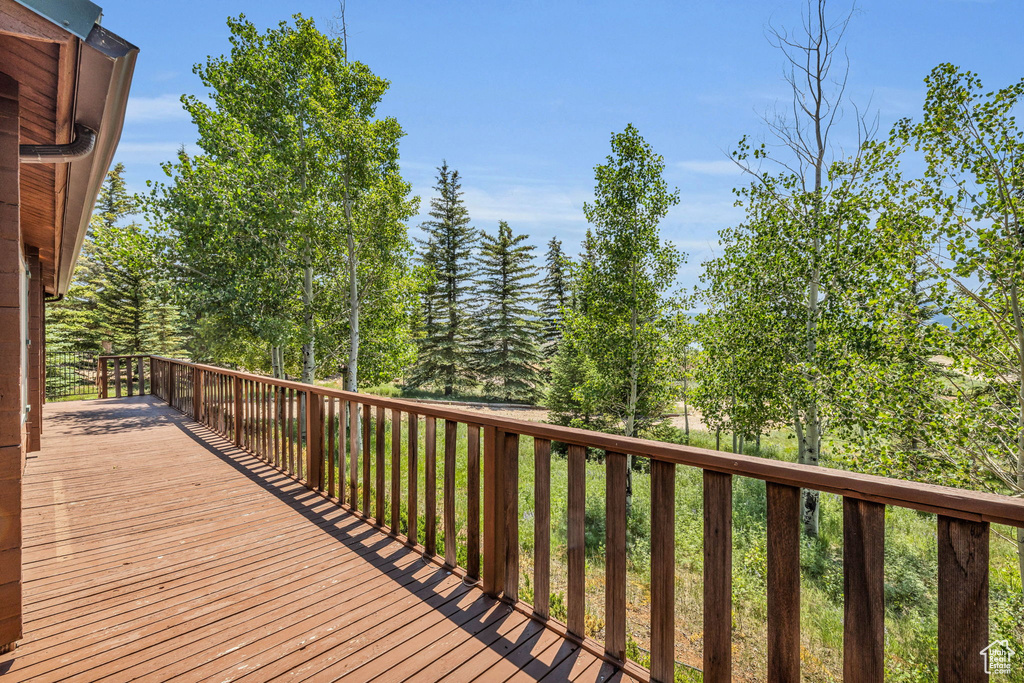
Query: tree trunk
(1018, 321)
(275, 361)
(812, 439)
(352, 383)
(308, 350)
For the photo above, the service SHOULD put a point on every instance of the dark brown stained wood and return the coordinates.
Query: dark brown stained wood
(396, 471)
(265, 421)
(366, 460)
(473, 501)
(783, 582)
(952, 502)
(117, 378)
(290, 431)
(430, 484)
(963, 599)
(412, 502)
(717, 577)
(276, 408)
(542, 527)
(663, 571)
(510, 464)
(103, 378)
(451, 433)
(331, 461)
(342, 451)
(494, 523)
(576, 502)
(130, 379)
(142, 376)
(236, 413)
(863, 590)
(314, 440)
(615, 556)
(378, 513)
(253, 588)
(353, 449)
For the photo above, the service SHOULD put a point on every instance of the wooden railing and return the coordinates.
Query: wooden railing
(109, 368)
(300, 429)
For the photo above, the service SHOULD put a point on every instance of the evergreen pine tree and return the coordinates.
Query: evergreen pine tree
(120, 293)
(444, 344)
(506, 343)
(554, 297)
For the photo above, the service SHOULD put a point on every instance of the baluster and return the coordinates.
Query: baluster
(290, 431)
(330, 447)
(353, 449)
(663, 571)
(340, 426)
(783, 582)
(473, 501)
(717, 577)
(451, 432)
(963, 599)
(863, 590)
(366, 460)
(577, 461)
(117, 377)
(413, 502)
(379, 464)
(129, 377)
(541, 527)
(396, 471)
(615, 555)
(314, 440)
(430, 483)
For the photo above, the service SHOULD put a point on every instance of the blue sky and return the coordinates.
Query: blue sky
(522, 96)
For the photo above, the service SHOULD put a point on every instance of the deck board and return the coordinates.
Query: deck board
(156, 550)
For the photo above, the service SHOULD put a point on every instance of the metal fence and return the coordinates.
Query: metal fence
(70, 374)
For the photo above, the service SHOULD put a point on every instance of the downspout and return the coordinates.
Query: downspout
(79, 148)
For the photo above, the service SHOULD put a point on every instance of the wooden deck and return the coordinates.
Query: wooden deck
(156, 550)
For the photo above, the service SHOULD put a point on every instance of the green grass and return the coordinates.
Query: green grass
(910, 563)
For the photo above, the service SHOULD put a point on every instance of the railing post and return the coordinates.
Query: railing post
(129, 378)
(117, 376)
(142, 376)
(494, 509)
(103, 377)
(236, 394)
(314, 440)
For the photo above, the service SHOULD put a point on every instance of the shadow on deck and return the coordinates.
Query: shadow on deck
(156, 550)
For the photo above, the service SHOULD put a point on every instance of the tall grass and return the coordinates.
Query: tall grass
(910, 564)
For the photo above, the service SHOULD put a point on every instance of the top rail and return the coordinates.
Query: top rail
(942, 500)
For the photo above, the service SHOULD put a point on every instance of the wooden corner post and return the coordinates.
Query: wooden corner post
(103, 378)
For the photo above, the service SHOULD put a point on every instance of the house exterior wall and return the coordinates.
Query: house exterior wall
(12, 352)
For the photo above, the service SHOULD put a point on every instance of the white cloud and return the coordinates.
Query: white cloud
(524, 204)
(151, 152)
(159, 108)
(715, 167)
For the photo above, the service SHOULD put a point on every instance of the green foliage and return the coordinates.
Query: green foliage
(554, 291)
(507, 357)
(624, 309)
(119, 296)
(445, 353)
(290, 227)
